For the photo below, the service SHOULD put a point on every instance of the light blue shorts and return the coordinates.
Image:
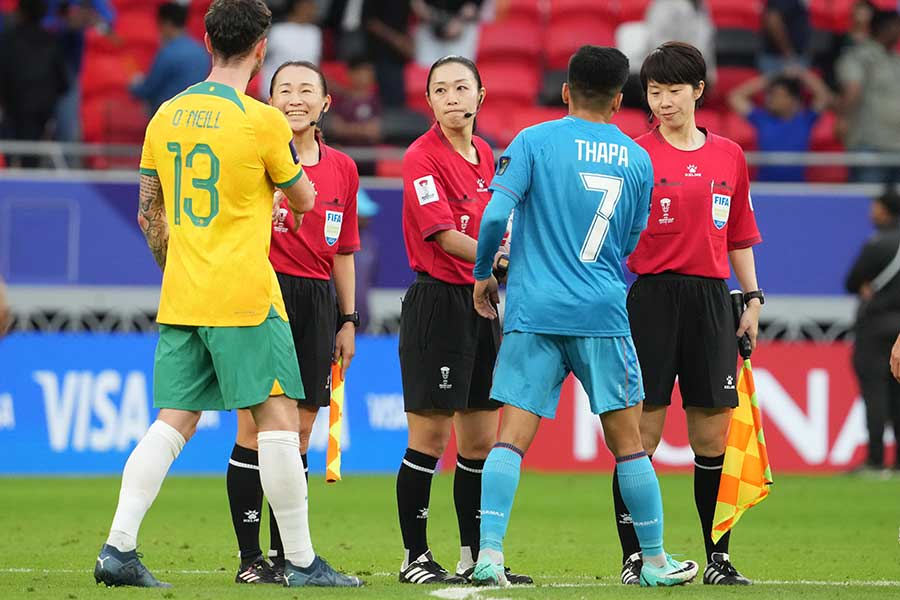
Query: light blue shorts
(531, 369)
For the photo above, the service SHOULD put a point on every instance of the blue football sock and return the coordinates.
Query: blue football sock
(498, 488)
(640, 491)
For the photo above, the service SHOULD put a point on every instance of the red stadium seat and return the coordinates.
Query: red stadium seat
(632, 121)
(138, 27)
(736, 14)
(632, 10)
(739, 130)
(527, 116)
(509, 82)
(579, 9)
(727, 78)
(102, 122)
(530, 10)
(389, 168)
(510, 39)
(564, 36)
(494, 121)
(824, 140)
(415, 77)
(336, 74)
(709, 119)
(103, 74)
(196, 14)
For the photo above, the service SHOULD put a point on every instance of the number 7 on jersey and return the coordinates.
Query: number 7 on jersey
(610, 188)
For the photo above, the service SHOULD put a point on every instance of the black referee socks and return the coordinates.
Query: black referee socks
(707, 474)
(245, 497)
(413, 496)
(467, 498)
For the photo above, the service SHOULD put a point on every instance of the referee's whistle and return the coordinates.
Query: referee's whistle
(737, 308)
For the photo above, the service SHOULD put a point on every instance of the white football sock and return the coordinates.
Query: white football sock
(281, 475)
(141, 479)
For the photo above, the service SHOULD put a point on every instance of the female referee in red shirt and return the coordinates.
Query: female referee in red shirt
(447, 351)
(305, 262)
(701, 218)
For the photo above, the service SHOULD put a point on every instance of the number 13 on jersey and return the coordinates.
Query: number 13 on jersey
(610, 188)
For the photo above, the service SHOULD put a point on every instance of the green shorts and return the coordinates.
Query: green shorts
(223, 368)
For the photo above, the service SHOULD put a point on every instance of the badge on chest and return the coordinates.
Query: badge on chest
(333, 221)
(721, 207)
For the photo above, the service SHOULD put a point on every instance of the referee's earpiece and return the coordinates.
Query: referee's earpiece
(321, 115)
(469, 115)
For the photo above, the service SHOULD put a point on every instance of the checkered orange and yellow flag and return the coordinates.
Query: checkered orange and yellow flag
(746, 475)
(335, 421)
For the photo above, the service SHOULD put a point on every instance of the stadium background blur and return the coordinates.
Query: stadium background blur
(76, 369)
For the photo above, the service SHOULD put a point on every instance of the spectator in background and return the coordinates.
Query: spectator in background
(783, 123)
(860, 22)
(869, 74)
(786, 32)
(875, 278)
(446, 27)
(366, 256)
(180, 63)
(33, 77)
(298, 37)
(356, 116)
(345, 19)
(390, 45)
(70, 19)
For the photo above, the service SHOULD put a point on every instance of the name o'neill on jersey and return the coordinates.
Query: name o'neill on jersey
(605, 152)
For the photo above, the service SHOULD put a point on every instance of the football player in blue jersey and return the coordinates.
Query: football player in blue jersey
(581, 192)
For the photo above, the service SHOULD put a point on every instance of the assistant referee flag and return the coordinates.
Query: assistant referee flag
(746, 475)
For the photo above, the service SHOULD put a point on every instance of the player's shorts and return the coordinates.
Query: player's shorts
(683, 326)
(223, 368)
(312, 312)
(531, 369)
(447, 351)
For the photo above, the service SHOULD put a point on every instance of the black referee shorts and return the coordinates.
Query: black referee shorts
(312, 312)
(683, 326)
(447, 351)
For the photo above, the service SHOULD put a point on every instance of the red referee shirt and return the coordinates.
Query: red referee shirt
(442, 190)
(700, 210)
(328, 229)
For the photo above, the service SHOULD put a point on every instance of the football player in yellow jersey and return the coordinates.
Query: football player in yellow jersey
(212, 157)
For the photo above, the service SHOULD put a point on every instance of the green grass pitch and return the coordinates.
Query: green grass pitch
(815, 537)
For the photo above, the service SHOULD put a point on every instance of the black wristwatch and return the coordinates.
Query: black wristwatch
(758, 294)
(351, 318)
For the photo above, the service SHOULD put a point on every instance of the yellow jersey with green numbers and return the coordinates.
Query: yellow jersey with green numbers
(218, 154)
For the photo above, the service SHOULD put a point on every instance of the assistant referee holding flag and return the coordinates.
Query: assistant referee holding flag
(701, 217)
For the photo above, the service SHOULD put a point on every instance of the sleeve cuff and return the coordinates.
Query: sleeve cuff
(741, 244)
(150, 172)
(348, 249)
(496, 187)
(436, 228)
(290, 181)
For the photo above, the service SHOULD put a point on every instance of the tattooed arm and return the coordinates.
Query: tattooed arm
(152, 218)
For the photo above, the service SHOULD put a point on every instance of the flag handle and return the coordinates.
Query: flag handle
(737, 308)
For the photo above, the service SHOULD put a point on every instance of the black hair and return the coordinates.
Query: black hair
(235, 26)
(596, 75)
(300, 63)
(453, 58)
(791, 85)
(674, 63)
(890, 200)
(881, 21)
(312, 67)
(174, 13)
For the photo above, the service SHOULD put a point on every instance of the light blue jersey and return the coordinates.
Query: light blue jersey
(581, 194)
